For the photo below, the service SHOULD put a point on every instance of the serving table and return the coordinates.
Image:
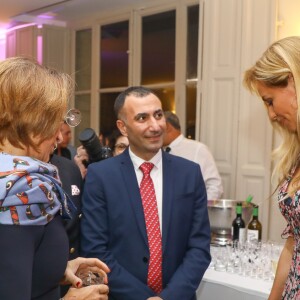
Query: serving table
(217, 285)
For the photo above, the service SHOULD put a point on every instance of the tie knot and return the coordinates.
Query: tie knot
(146, 167)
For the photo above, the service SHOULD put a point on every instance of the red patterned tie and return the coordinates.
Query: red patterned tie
(153, 229)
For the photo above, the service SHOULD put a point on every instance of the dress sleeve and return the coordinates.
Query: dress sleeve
(287, 232)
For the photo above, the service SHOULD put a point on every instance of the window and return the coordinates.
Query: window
(140, 49)
(191, 69)
(114, 47)
(158, 48)
(83, 73)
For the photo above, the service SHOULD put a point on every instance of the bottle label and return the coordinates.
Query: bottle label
(242, 235)
(252, 235)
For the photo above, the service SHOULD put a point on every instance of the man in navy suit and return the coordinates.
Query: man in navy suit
(113, 224)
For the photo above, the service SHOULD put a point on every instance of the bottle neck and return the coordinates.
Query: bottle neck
(255, 213)
(238, 210)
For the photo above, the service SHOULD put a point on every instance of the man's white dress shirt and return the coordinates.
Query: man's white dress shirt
(156, 176)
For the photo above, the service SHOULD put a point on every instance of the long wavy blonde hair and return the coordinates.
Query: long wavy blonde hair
(280, 61)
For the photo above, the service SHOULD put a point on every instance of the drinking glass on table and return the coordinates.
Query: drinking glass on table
(221, 257)
(276, 249)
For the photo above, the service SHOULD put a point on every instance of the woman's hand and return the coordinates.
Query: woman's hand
(92, 292)
(76, 265)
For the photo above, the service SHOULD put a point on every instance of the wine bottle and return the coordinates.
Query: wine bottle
(254, 229)
(238, 231)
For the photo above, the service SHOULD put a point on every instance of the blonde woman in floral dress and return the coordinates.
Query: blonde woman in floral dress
(275, 77)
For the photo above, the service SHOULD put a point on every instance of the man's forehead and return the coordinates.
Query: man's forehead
(143, 104)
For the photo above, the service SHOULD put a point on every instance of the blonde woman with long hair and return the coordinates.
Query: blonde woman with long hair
(275, 77)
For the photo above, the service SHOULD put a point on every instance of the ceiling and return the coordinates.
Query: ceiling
(14, 12)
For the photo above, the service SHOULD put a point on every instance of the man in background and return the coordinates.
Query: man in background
(177, 144)
(71, 180)
(64, 148)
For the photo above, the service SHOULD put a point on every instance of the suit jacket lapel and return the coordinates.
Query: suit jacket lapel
(133, 191)
(167, 197)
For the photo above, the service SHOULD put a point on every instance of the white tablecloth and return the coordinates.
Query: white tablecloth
(222, 285)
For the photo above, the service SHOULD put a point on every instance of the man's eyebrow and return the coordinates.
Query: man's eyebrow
(139, 115)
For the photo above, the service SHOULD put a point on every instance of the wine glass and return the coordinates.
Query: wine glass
(90, 278)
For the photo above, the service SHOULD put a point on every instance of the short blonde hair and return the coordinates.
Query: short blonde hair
(33, 101)
(280, 61)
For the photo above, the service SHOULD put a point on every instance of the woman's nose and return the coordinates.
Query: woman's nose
(271, 112)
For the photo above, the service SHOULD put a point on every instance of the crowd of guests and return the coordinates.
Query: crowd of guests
(140, 218)
(54, 209)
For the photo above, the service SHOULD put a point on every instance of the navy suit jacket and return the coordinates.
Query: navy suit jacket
(113, 227)
(72, 182)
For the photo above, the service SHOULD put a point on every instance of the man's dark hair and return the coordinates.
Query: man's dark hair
(138, 91)
(173, 120)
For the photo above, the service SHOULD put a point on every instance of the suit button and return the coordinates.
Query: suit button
(80, 216)
(145, 259)
(72, 250)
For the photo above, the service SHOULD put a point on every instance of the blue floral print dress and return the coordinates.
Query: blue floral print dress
(290, 209)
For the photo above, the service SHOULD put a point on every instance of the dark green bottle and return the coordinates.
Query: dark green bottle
(238, 231)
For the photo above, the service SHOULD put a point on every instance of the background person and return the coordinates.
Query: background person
(195, 151)
(62, 148)
(117, 142)
(34, 256)
(71, 180)
(117, 225)
(275, 77)
(104, 137)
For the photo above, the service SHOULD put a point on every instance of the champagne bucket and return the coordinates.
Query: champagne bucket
(221, 213)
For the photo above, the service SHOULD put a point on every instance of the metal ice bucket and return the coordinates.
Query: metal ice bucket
(221, 213)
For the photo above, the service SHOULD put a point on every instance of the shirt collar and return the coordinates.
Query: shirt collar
(176, 141)
(137, 161)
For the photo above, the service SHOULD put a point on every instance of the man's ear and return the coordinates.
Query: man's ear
(168, 127)
(122, 127)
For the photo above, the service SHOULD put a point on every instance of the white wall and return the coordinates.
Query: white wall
(288, 18)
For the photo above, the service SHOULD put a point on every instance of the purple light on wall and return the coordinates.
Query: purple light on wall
(2, 44)
(40, 49)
